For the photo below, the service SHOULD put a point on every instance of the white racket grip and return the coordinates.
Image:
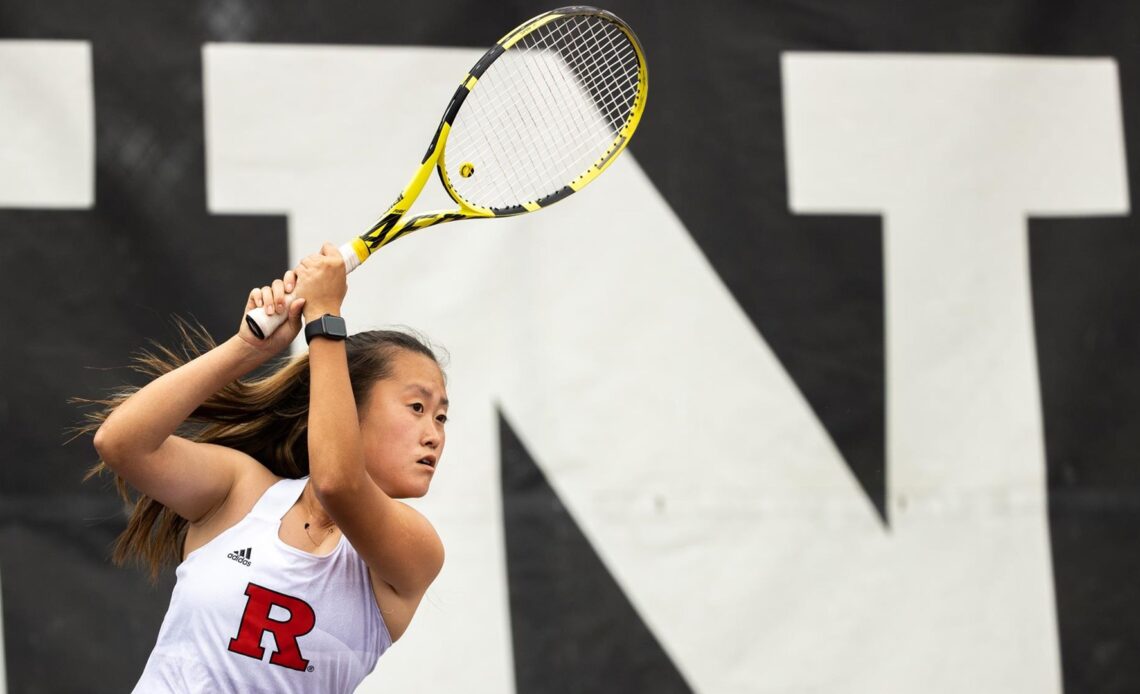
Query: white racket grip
(263, 325)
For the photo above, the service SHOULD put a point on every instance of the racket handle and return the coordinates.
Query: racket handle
(262, 325)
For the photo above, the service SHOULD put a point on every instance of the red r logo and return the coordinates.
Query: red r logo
(255, 621)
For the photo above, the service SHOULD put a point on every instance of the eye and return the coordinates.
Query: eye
(417, 407)
(442, 419)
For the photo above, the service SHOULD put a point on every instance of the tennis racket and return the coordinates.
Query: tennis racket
(541, 114)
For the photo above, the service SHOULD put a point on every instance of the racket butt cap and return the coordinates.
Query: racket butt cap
(254, 327)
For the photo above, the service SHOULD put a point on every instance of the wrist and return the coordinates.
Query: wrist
(327, 326)
(246, 356)
(314, 311)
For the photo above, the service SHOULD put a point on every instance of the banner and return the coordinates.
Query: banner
(829, 384)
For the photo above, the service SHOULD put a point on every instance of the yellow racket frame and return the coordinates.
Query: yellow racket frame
(392, 225)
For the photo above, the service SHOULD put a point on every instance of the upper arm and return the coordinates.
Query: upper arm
(397, 543)
(190, 478)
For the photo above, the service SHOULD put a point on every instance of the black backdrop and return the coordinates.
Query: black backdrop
(812, 285)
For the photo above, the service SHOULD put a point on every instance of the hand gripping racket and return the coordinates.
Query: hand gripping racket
(541, 114)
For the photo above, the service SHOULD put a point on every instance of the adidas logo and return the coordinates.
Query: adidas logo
(242, 556)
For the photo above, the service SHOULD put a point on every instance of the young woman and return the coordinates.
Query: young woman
(279, 496)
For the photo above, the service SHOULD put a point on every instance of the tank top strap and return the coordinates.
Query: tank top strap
(278, 499)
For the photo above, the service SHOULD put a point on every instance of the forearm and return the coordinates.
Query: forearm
(335, 448)
(146, 419)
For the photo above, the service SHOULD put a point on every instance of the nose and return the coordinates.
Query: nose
(432, 437)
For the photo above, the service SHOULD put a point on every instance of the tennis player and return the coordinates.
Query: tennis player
(299, 567)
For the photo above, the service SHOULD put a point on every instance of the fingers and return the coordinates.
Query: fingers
(332, 254)
(269, 297)
(265, 300)
(328, 256)
(278, 296)
(295, 309)
(328, 251)
(272, 297)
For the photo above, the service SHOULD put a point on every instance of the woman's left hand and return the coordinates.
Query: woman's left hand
(271, 298)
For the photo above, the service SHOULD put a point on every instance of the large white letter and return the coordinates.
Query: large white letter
(47, 124)
(956, 153)
(47, 139)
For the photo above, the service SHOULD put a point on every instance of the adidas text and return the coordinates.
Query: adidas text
(242, 556)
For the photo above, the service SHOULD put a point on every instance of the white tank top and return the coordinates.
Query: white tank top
(251, 614)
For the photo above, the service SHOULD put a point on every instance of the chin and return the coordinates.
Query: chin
(406, 491)
(418, 491)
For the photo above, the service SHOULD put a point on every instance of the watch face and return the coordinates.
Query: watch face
(334, 326)
(329, 326)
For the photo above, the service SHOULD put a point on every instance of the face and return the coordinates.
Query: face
(402, 424)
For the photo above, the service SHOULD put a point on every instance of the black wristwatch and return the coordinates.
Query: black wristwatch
(328, 326)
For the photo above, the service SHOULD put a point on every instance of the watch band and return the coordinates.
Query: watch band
(327, 326)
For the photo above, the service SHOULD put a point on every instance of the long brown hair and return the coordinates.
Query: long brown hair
(265, 417)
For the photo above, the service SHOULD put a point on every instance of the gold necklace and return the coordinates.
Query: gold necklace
(307, 524)
(315, 543)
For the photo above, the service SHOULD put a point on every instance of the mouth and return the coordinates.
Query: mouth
(427, 460)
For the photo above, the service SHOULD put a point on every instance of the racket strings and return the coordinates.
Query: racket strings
(594, 64)
(603, 79)
(508, 179)
(580, 52)
(545, 112)
(569, 39)
(578, 134)
(598, 81)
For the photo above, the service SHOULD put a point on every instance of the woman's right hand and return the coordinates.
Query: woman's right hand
(322, 280)
(272, 298)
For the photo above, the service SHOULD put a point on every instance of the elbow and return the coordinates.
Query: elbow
(110, 446)
(103, 442)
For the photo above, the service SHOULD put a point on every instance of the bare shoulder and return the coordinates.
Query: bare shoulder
(398, 607)
(431, 544)
(250, 481)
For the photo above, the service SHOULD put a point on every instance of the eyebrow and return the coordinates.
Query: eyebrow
(427, 393)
